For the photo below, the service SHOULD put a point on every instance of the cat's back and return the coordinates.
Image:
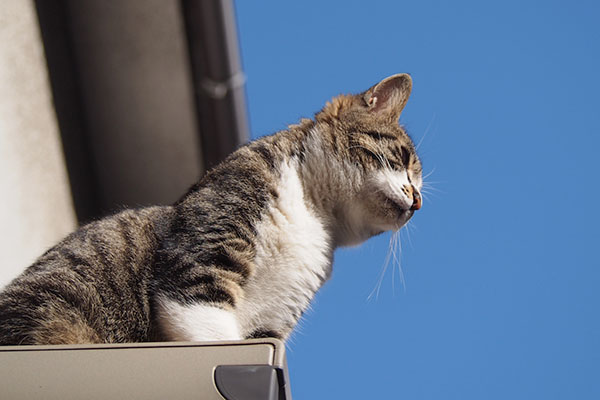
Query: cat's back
(91, 287)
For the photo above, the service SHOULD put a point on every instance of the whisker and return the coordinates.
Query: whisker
(426, 131)
(430, 184)
(382, 153)
(393, 276)
(409, 225)
(429, 174)
(377, 287)
(429, 191)
(397, 258)
(379, 156)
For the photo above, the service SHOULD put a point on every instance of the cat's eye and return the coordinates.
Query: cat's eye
(395, 165)
(404, 156)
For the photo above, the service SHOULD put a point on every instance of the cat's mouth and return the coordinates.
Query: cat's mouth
(400, 210)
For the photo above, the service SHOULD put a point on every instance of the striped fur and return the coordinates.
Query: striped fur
(243, 252)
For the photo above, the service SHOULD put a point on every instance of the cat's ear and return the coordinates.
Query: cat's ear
(389, 96)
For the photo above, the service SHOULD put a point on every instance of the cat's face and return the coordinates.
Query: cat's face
(391, 191)
(388, 190)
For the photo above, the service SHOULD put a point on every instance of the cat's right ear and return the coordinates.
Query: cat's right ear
(388, 97)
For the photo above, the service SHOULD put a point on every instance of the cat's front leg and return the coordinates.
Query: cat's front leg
(196, 322)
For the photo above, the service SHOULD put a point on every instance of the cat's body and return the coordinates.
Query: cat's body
(244, 251)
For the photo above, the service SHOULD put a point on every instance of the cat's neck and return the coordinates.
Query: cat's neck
(293, 255)
(330, 185)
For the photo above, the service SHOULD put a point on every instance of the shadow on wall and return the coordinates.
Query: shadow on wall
(105, 105)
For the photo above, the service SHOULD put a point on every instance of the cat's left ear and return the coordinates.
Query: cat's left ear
(389, 96)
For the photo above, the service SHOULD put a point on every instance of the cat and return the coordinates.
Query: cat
(240, 255)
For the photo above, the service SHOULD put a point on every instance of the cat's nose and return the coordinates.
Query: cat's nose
(413, 192)
(416, 200)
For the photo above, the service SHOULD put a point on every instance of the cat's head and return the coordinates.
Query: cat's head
(369, 138)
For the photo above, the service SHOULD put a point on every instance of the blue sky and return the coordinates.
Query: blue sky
(501, 265)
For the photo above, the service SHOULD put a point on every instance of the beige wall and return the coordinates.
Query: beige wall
(36, 209)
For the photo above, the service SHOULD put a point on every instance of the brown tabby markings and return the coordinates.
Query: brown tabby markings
(101, 283)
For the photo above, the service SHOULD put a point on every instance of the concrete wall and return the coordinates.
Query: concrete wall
(35, 207)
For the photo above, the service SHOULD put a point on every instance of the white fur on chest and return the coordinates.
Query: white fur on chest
(293, 255)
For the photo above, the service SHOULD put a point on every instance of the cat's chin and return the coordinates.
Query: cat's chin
(400, 214)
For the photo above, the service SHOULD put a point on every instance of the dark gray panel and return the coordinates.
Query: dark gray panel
(137, 99)
(148, 95)
(248, 382)
(66, 94)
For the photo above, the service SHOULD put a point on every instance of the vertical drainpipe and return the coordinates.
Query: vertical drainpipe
(218, 78)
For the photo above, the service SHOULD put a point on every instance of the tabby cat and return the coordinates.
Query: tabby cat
(243, 252)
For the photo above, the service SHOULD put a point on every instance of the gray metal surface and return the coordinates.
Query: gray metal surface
(218, 78)
(135, 371)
